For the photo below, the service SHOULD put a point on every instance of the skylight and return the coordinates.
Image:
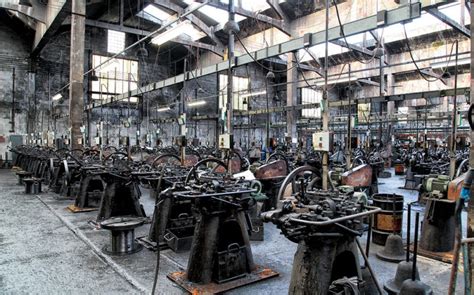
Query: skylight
(184, 28)
(318, 51)
(154, 14)
(425, 24)
(219, 15)
(251, 5)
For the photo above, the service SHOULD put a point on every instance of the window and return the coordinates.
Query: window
(117, 76)
(310, 96)
(115, 41)
(240, 84)
(218, 15)
(363, 112)
(154, 14)
(402, 115)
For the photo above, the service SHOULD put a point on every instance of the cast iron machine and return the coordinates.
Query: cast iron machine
(325, 224)
(173, 216)
(121, 194)
(270, 175)
(440, 194)
(90, 187)
(221, 257)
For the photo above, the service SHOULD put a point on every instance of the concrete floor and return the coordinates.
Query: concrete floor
(45, 249)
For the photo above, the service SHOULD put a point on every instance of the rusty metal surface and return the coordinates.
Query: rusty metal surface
(274, 170)
(455, 187)
(234, 165)
(399, 169)
(360, 176)
(388, 222)
(190, 160)
(259, 274)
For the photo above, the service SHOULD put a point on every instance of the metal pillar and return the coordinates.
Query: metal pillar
(76, 70)
(230, 53)
(325, 111)
(12, 130)
(349, 127)
(470, 216)
(452, 156)
(291, 94)
(381, 91)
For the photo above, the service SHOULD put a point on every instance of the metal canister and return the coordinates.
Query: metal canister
(399, 168)
(390, 219)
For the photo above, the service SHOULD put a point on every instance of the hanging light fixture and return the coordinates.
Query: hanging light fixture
(25, 3)
(172, 33)
(94, 76)
(270, 75)
(196, 103)
(58, 96)
(142, 52)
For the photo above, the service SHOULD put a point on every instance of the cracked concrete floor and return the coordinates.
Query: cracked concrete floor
(42, 251)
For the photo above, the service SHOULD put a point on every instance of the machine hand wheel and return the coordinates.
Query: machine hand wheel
(166, 159)
(196, 174)
(117, 157)
(299, 181)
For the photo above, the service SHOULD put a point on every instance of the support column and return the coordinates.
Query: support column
(230, 80)
(291, 94)
(325, 104)
(470, 215)
(390, 104)
(381, 91)
(452, 156)
(76, 70)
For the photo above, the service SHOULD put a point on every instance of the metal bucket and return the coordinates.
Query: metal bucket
(399, 169)
(390, 219)
(32, 186)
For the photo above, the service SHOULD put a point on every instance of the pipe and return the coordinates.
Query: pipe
(415, 247)
(408, 231)
(13, 102)
(369, 267)
(340, 219)
(369, 234)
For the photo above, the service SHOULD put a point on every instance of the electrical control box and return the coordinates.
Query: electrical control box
(225, 141)
(322, 141)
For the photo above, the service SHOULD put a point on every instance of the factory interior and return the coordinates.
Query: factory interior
(236, 147)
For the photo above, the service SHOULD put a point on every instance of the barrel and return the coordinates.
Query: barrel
(399, 168)
(390, 219)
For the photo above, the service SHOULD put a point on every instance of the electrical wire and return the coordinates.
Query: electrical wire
(257, 62)
(345, 39)
(316, 87)
(416, 65)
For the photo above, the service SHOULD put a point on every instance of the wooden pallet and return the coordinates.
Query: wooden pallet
(75, 209)
(446, 257)
(258, 274)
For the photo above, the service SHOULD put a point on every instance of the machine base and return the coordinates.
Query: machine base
(150, 245)
(257, 275)
(136, 248)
